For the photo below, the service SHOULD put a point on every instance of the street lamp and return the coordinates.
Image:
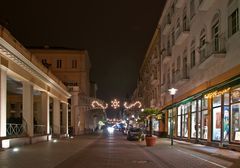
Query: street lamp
(172, 92)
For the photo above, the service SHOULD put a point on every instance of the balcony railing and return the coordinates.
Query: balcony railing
(216, 46)
(204, 5)
(167, 25)
(166, 55)
(181, 75)
(182, 33)
(16, 129)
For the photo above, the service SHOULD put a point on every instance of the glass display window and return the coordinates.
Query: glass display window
(235, 126)
(226, 129)
(217, 101)
(179, 121)
(204, 124)
(199, 105)
(204, 104)
(226, 98)
(216, 125)
(169, 120)
(194, 106)
(193, 125)
(155, 125)
(194, 119)
(179, 125)
(235, 95)
(199, 124)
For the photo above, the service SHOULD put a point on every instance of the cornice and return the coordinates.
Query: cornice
(14, 55)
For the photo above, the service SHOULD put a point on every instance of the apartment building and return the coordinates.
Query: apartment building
(199, 50)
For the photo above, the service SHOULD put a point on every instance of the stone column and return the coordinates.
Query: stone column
(65, 117)
(45, 119)
(82, 120)
(56, 116)
(3, 102)
(28, 107)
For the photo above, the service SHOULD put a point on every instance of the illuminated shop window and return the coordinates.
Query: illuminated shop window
(235, 114)
(204, 119)
(179, 127)
(194, 119)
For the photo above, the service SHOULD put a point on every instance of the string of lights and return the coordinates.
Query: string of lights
(96, 104)
(133, 105)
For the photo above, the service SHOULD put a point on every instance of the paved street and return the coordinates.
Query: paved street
(108, 151)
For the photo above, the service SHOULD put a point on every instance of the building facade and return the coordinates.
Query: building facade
(199, 54)
(33, 102)
(72, 67)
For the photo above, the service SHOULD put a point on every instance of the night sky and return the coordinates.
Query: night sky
(116, 34)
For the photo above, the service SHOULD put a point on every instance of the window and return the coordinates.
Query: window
(194, 119)
(59, 63)
(178, 63)
(192, 8)
(74, 64)
(185, 116)
(193, 56)
(178, 31)
(235, 115)
(168, 77)
(215, 33)
(179, 126)
(185, 23)
(173, 72)
(173, 9)
(185, 65)
(216, 134)
(173, 36)
(202, 45)
(204, 119)
(233, 23)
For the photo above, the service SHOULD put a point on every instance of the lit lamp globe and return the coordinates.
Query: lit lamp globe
(172, 91)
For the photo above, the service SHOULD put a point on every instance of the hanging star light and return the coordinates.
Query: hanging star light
(115, 103)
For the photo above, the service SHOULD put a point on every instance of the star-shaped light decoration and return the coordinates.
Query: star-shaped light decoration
(115, 103)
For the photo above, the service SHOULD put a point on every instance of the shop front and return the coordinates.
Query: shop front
(211, 117)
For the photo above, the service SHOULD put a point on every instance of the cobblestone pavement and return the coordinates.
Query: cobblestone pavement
(113, 151)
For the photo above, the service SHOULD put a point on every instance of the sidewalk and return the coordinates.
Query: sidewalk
(213, 151)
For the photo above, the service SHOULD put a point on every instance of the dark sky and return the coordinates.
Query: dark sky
(116, 34)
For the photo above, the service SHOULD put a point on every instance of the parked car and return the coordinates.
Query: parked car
(135, 134)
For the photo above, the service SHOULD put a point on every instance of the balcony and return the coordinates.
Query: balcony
(166, 55)
(204, 5)
(182, 34)
(167, 26)
(212, 52)
(180, 3)
(182, 76)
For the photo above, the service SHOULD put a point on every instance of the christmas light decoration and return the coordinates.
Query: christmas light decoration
(133, 105)
(216, 93)
(96, 104)
(115, 103)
